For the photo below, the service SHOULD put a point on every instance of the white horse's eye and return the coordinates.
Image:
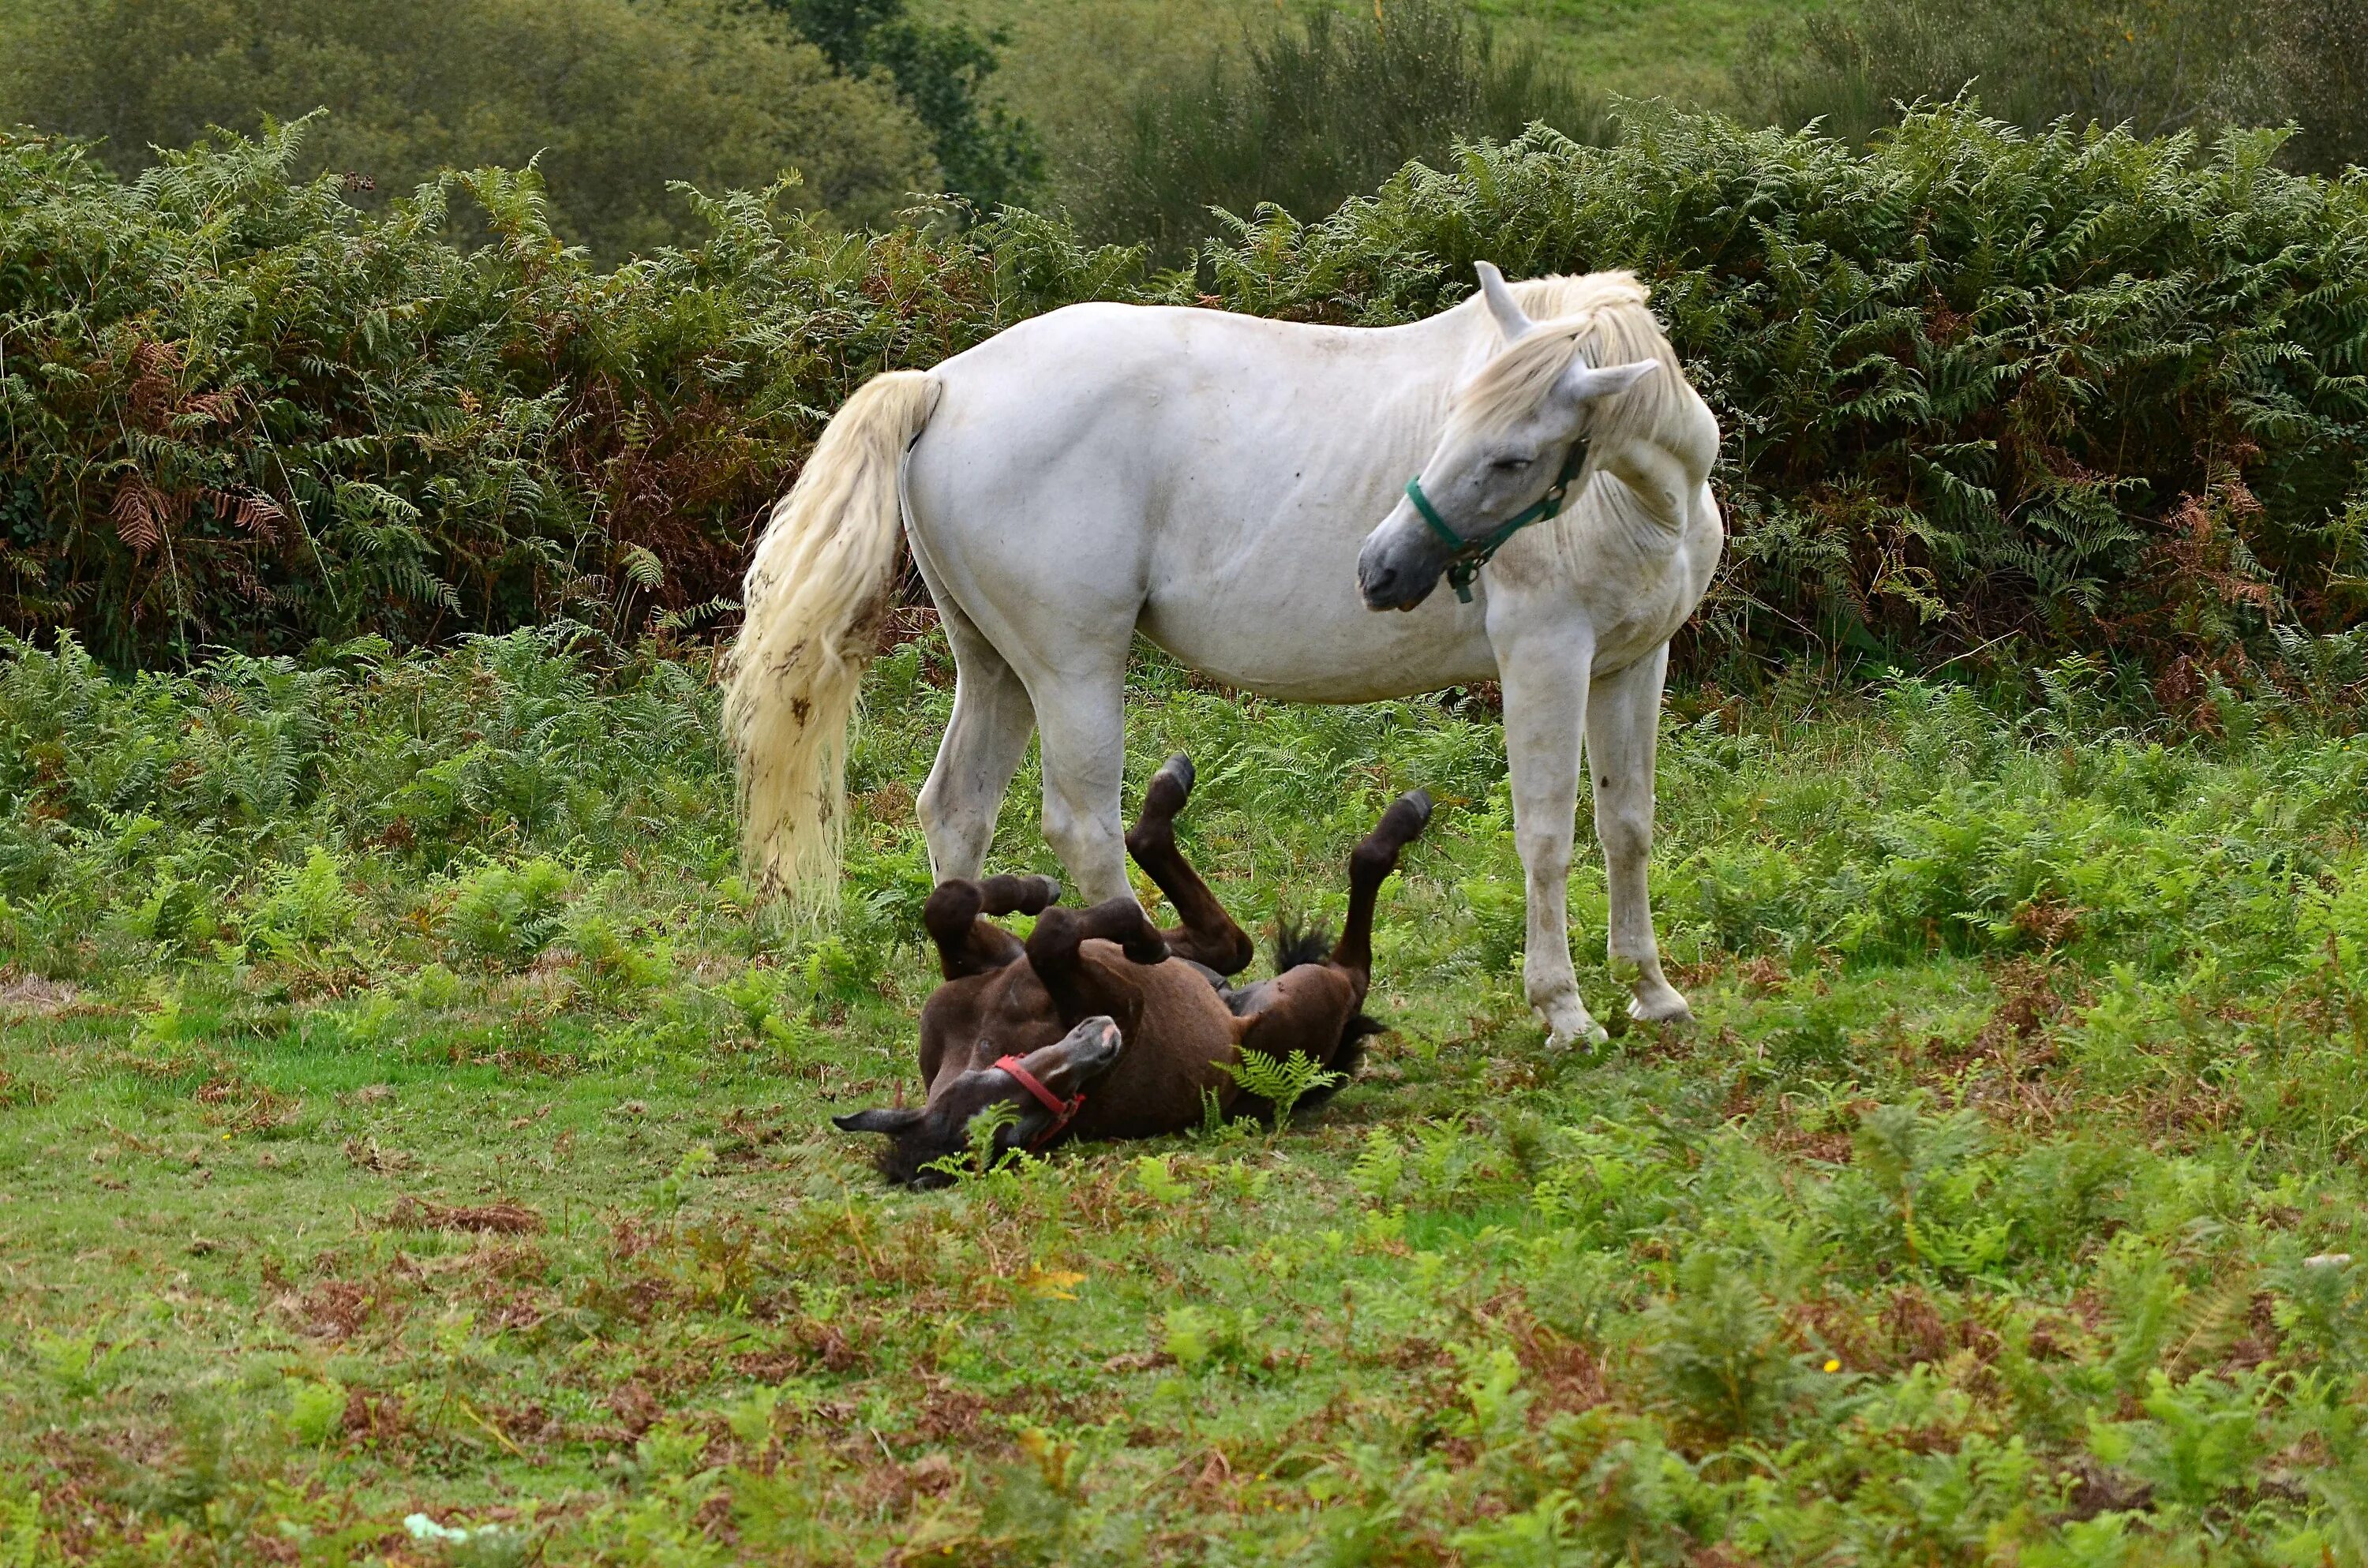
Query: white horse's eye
(1512, 465)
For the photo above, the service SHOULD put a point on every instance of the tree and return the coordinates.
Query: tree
(1307, 116)
(941, 70)
(614, 98)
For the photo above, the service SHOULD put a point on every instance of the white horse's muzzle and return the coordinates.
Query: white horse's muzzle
(1400, 563)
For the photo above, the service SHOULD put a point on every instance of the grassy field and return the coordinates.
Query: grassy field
(412, 1150)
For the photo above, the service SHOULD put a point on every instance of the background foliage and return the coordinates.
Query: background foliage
(2159, 66)
(242, 413)
(612, 99)
(2071, 391)
(940, 68)
(1306, 117)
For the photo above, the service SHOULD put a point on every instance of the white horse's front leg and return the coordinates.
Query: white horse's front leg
(1545, 681)
(1623, 728)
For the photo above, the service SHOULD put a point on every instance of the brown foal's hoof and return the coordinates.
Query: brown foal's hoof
(1043, 895)
(1171, 787)
(1408, 815)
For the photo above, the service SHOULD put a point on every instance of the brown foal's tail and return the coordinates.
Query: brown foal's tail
(1369, 866)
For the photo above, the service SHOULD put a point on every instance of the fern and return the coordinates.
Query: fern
(1282, 1083)
(979, 1159)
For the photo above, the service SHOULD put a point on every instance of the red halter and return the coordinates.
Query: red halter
(1064, 1111)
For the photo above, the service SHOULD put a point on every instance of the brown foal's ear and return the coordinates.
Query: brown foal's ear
(880, 1119)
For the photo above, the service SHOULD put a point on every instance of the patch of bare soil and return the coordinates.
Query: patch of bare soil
(35, 996)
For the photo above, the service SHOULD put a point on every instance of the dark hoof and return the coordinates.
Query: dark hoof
(1043, 895)
(1407, 816)
(1146, 951)
(1171, 786)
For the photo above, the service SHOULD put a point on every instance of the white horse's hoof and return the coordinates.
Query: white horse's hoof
(1568, 1023)
(1660, 1005)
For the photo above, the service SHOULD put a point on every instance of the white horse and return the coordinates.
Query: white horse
(1211, 481)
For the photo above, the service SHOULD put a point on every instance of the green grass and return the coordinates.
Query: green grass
(404, 1113)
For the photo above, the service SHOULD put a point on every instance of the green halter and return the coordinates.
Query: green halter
(1470, 554)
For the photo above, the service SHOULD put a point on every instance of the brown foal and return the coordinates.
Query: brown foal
(1101, 1025)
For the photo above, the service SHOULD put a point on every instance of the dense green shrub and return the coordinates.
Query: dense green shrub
(1308, 116)
(242, 413)
(612, 98)
(2073, 387)
(1982, 389)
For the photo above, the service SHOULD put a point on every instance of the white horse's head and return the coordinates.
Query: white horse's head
(1517, 439)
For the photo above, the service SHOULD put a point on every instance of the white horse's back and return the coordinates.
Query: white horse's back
(1205, 478)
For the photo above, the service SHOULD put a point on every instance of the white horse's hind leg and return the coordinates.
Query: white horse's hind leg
(982, 749)
(1623, 731)
(1081, 716)
(1545, 681)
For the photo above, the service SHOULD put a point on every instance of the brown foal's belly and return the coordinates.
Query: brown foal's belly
(1176, 1050)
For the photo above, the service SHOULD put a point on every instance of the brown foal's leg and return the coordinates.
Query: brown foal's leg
(967, 944)
(1369, 865)
(1208, 935)
(1077, 991)
(1314, 1007)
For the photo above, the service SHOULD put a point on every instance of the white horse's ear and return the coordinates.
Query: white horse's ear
(1584, 384)
(1511, 320)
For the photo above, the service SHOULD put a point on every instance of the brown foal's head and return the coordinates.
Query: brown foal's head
(920, 1137)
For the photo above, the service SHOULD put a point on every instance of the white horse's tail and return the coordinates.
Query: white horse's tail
(814, 596)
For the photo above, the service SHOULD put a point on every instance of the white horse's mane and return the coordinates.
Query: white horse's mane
(1599, 316)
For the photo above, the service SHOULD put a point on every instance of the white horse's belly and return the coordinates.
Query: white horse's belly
(1327, 648)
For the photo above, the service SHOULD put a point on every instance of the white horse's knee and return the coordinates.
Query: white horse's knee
(945, 810)
(930, 805)
(1623, 818)
(957, 827)
(1627, 839)
(1091, 846)
(1544, 855)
